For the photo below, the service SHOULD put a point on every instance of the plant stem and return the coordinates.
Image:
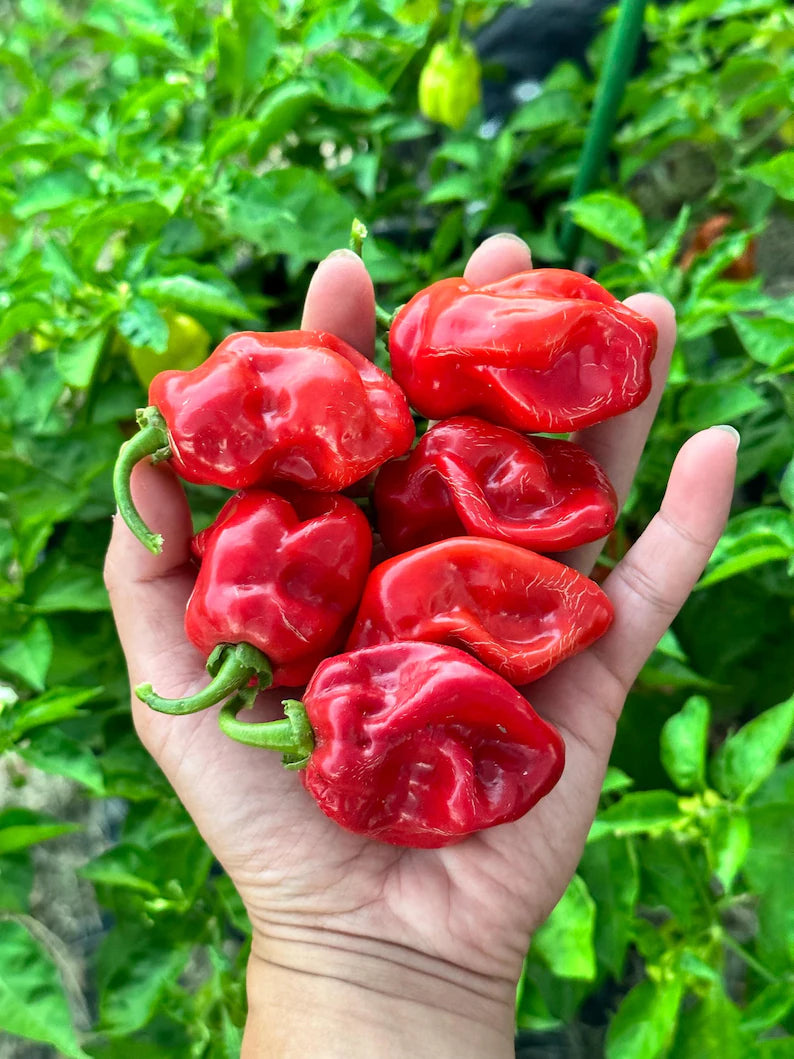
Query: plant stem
(231, 666)
(292, 736)
(151, 440)
(730, 943)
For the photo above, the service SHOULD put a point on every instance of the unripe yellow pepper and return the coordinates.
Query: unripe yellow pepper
(449, 85)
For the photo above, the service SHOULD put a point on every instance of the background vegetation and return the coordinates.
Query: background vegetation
(169, 166)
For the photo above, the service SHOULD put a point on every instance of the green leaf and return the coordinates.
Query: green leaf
(55, 752)
(294, 212)
(459, 187)
(768, 339)
(767, 870)
(280, 113)
(246, 45)
(565, 941)
(612, 218)
(546, 111)
(51, 191)
(195, 295)
(662, 671)
(28, 654)
(20, 828)
(637, 813)
(753, 537)
(346, 85)
(766, 1010)
(24, 316)
(331, 22)
(777, 173)
(645, 1023)
(787, 486)
(122, 866)
(16, 881)
(705, 404)
(728, 844)
(136, 966)
(664, 253)
(778, 788)
(615, 780)
(673, 872)
(609, 867)
(776, 1048)
(683, 744)
(142, 325)
(61, 584)
(32, 1001)
(709, 1029)
(230, 137)
(78, 359)
(56, 704)
(746, 758)
(753, 556)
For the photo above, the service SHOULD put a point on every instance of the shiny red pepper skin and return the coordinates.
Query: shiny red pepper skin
(419, 745)
(297, 406)
(284, 575)
(517, 612)
(467, 476)
(544, 350)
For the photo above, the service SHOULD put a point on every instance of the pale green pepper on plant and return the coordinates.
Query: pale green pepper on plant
(449, 85)
(188, 346)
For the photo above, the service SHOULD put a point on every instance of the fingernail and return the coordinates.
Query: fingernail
(343, 252)
(737, 437)
(505, 235)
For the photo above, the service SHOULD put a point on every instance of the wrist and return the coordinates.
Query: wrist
(341, 995)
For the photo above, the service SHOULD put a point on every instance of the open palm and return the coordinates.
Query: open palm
(468, 910)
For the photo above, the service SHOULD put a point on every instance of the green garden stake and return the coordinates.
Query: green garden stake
(618, 64)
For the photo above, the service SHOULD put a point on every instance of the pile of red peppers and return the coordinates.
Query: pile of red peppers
(413, 728)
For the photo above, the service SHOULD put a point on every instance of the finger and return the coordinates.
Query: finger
(148, 593)
(341, 300)
(653, 580)
(497, 258)
(651, 583)
(584, 696)
(617, 443)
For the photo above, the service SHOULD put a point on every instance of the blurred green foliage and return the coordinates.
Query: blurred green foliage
(166, 156)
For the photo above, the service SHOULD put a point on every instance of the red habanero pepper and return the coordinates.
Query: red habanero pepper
(518, 612)
(467, 476)
(544, 350)
(297, 406)
(413, 744)
(278, 582)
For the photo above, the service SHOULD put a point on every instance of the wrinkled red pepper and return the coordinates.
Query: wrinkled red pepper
(298, 406)
(467, 476)
(413, 744)
(278, 582)
(544, 350)
(518, 612)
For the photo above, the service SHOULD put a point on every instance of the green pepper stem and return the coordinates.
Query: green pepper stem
(151, 440)
(455, 23)
(292, 736)
(358, 233)
(232, 668)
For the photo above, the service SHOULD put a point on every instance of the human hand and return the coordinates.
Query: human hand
(398, 951)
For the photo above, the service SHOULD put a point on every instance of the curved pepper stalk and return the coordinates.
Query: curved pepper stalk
(292, 737)
(233, 668)
(151, 440)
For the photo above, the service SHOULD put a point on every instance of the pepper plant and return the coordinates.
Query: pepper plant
(172, 167)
